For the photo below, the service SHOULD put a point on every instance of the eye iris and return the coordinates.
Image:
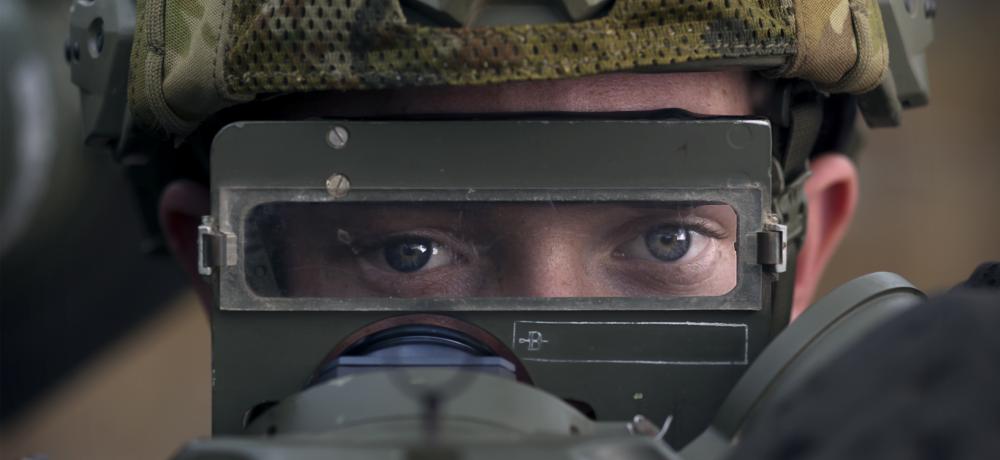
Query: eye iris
(408, 255)
(668, 243)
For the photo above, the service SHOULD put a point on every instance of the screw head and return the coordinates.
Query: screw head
(337, 137)
(930, 9)
(338, 185)
(739, 136)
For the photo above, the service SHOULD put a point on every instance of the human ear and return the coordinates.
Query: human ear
(832, 195)
(182, 204)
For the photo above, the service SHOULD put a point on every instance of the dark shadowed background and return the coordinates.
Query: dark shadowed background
(105, 352)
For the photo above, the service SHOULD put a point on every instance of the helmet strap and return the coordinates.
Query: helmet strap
(797, 118)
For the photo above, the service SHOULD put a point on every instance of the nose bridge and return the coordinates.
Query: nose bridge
(545, 261)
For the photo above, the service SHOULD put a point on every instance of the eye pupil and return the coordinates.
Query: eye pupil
(668, 243)
(408, 255)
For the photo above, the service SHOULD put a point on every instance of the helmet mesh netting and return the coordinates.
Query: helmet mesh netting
(312, 45)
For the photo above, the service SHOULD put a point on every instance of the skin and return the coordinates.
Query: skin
(505, 250)
(831, 191)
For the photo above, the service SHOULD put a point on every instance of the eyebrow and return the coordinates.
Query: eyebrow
(389, 217)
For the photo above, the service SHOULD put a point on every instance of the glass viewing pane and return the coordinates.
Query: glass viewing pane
(448, 249)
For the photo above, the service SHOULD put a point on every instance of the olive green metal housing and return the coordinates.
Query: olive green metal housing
(656, 356)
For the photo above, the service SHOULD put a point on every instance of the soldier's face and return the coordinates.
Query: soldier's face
(519, 250)
(831, 190)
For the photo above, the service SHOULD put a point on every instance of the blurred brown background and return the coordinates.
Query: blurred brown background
(930, 192)
(928, 211)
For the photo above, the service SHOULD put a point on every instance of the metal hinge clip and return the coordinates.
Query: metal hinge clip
(772, 247)
(215, 248)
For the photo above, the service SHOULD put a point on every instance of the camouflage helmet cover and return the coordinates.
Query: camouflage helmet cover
(192, 58)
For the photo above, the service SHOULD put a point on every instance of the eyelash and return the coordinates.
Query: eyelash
(700, 225)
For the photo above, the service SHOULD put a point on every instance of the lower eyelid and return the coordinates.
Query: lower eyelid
(671, 278)
(445, 281)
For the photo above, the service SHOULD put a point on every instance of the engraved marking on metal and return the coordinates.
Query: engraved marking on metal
(516, 340)
(534, 340)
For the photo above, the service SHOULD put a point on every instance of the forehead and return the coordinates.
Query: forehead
(707, 93)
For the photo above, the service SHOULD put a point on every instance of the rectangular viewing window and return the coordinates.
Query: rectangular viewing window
(551, 249)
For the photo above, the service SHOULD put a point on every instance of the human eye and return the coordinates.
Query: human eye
(409, 254)
(419, 263)
(668, 243)
(679, 255)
